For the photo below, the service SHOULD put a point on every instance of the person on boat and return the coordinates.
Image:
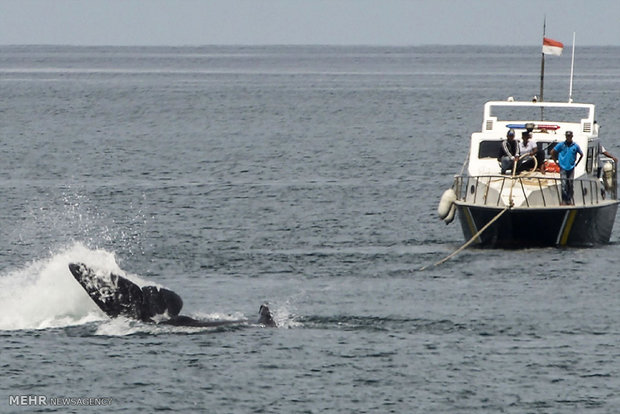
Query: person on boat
(527, 151)
(509, 152)
(603, 151)
(540, 152)
(567, 152)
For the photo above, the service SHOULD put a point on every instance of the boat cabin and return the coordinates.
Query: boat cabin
(548, 122)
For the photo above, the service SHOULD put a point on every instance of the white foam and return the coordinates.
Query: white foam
(44, 294)
(119, 327)
(283, 316)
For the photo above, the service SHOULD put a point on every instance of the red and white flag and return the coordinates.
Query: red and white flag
(552, 47)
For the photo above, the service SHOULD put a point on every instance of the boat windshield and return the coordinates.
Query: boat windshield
(536, 113)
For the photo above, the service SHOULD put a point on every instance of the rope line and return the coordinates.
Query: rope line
(470, 241)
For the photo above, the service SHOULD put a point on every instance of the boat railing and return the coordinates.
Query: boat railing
(527, 191)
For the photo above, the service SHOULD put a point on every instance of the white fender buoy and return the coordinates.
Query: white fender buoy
(445, 203)
(451, 214)
(608, 175)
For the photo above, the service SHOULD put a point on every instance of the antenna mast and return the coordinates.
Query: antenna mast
(572, 66)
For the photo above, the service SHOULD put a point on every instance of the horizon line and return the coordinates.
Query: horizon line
(386, 45)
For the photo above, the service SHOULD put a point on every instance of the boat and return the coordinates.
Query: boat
(525, 209)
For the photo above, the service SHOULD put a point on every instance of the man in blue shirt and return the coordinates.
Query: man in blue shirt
(567, 152)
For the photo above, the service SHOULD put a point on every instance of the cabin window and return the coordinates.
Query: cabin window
(489, 149)
(590, 159)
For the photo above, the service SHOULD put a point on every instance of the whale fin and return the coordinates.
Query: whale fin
(118, 296)
(113, 294)
(264, 316)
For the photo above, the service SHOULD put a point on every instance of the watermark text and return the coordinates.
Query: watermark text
(44, 401)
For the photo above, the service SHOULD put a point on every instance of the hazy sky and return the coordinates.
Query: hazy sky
(340, 22)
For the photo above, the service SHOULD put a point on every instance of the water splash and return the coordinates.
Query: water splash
(44, 294)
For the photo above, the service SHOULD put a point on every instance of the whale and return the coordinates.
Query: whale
(118, 296)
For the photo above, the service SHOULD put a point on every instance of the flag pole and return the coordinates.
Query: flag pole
(542, 70)
(572, 66)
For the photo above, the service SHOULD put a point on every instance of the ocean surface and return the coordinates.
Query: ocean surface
(305, 177)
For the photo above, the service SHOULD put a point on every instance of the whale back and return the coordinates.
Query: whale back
(158, 301)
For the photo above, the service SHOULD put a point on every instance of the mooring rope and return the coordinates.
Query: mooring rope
(470, 241)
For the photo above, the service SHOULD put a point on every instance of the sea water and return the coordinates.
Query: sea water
(305, 177)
